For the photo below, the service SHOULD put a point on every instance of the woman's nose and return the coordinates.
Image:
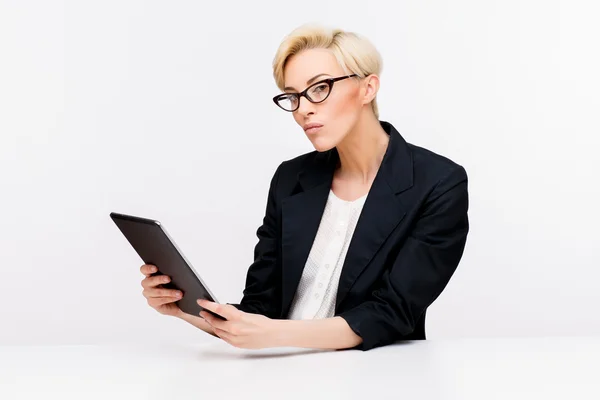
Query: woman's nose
(305, 107)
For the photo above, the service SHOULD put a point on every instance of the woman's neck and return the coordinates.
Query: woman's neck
(362, 151)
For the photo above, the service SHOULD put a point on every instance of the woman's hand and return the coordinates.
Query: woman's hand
(161, 299)
(243, 330)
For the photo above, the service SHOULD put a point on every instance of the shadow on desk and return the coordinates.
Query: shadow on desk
(234, 353)
(241, 354)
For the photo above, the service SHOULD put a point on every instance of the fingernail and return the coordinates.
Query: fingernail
(153, 269)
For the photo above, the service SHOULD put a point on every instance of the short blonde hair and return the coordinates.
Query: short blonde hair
(354, 53)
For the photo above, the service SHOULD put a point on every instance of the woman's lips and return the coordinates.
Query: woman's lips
(312, 131)
(312, 128)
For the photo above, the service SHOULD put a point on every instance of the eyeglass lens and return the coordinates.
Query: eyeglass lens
(316, 94)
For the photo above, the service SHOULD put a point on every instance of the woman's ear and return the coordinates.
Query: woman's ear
(370, 88)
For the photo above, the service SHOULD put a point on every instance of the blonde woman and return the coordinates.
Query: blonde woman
(361, 235)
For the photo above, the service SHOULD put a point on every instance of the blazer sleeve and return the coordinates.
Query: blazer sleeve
(422, 269)
(263, 280)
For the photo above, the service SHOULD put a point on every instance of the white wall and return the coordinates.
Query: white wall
(131, 106)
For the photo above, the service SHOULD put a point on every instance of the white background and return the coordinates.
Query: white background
(134, 106)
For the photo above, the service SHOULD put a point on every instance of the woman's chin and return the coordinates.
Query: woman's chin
(322, 144)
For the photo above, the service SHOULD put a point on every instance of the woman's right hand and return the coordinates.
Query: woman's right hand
(163, 299)
(160, 298)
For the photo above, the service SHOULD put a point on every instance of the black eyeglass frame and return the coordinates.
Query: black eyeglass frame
(329, 81)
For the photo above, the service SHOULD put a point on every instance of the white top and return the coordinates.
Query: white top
(317, 290)
(157, 367)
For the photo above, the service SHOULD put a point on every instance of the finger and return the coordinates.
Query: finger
(148, 269)
(153, 281)
(227, 311)
(216, 322)
(160, 301)
(226, 336)
(160, 292)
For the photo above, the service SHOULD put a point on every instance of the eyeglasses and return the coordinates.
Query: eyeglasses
(315, 93)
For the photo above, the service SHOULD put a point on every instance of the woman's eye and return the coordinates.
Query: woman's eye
(321, 88)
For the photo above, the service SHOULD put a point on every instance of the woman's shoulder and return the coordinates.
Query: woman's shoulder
(422, 155)
(432, 167)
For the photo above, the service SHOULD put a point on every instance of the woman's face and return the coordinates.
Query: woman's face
(338, 114)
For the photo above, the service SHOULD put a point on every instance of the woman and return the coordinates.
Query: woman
(360, 236)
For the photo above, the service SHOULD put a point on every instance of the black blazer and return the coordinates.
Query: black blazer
(406, 246)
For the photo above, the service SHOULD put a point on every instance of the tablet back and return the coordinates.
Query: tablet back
(154, 246)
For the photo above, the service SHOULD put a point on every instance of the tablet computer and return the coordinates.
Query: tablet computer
(153, 244)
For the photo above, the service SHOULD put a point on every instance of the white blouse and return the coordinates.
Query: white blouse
(317, 290)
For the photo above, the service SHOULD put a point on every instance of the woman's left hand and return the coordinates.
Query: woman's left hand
(241, 329)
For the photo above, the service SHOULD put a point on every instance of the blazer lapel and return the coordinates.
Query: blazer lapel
(381, 213)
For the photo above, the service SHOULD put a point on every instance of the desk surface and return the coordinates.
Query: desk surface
(507, 368)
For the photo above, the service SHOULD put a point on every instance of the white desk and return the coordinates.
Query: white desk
(482, 369)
